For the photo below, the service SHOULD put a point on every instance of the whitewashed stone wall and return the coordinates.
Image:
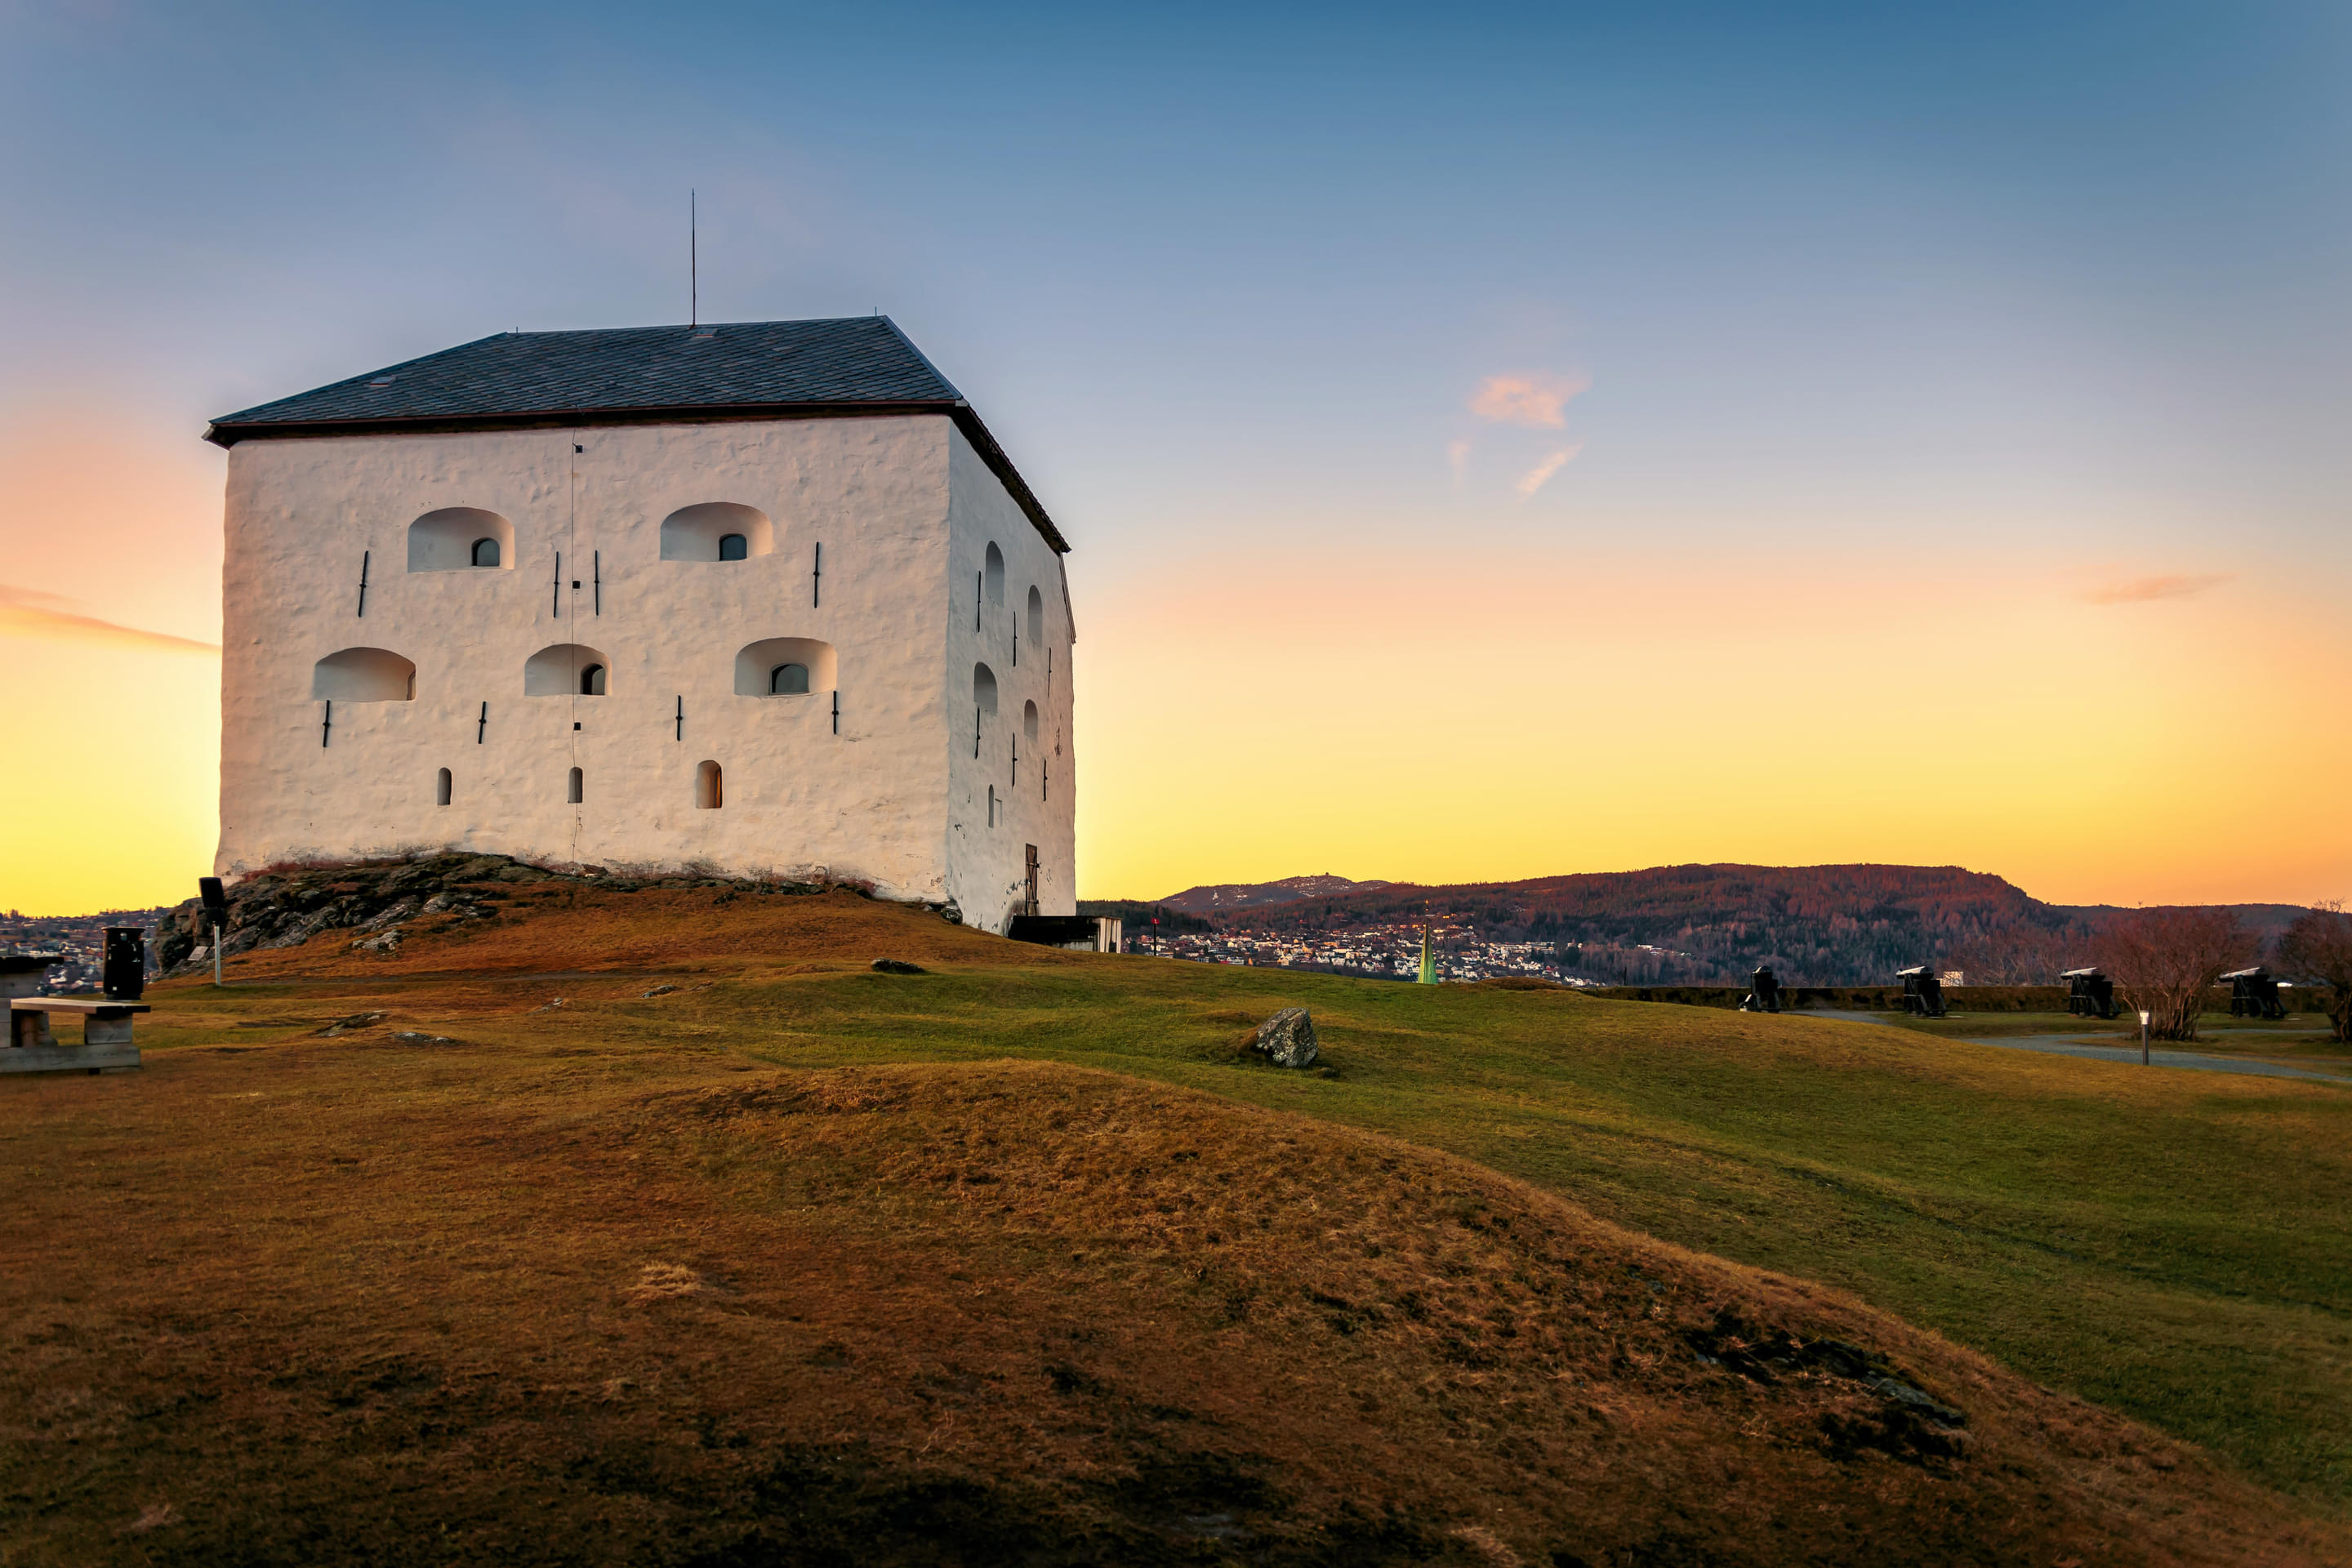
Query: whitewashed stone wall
(898, 504)
(1032, 800)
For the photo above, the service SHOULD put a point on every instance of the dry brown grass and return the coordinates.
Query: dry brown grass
(343, 1298)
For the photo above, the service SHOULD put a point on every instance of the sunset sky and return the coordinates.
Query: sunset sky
(1496, 441)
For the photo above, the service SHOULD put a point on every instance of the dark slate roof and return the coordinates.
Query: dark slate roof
(732, 370)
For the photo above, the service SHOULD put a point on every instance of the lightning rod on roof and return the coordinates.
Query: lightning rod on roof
(693, 265)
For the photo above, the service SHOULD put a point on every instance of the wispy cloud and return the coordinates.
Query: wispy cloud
(29, 612)
(1534, 478)
(2140, 590)
(1457, 457)
(1534, 399)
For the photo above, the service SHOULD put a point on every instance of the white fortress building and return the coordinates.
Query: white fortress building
(763, 597)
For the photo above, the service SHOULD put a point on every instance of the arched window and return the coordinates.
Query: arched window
(564, 670)
(1029, 721)
(983, 687)
(363, 675)
(458, 537)
(441, 788)
(764, 669)
(993, 576)
(710, 793)
(574, 791)
(1036, 615)
(716, 530)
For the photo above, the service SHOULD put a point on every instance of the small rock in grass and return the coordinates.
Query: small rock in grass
(660, 990)
(1287, 1039)
(356, 1021)
(898, 967)
(412, 1038)
(385, 943)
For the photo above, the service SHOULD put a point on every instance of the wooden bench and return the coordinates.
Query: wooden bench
(105, 1034)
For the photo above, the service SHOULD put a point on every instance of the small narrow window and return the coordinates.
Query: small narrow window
(1036, 615)
(575, 793)
(592, 680)
(710, 793)
(788, 680)
(716, 530)
(992, 806)
(562, 671)
(458, 537)
(441, 788)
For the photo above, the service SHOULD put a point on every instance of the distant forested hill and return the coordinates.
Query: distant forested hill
(1820, 925)
(1223, 898)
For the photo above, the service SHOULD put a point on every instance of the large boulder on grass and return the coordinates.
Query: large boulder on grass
(1287, 1039)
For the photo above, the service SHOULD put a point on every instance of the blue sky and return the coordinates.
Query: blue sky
(2015, 290)
(1826, 260)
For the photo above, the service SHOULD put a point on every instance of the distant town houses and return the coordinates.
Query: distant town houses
(78, 941)
(1385, 952)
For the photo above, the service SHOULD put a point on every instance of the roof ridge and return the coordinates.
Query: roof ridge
(900, 334)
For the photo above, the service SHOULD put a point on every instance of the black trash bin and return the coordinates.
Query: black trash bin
(125, 975)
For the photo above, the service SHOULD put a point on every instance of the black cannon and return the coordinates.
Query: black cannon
(1923, 994)
(1763, 993)
(2254, 994)
(2089, 994)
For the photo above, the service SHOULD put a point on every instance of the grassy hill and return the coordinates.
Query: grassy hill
(655, 1227)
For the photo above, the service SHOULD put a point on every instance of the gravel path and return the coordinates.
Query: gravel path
(2077, 1046)
(2060, 1045)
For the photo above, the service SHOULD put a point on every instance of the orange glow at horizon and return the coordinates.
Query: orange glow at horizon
(2134, 736)
(1517, 716)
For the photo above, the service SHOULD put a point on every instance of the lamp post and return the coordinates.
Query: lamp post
(216, 902)
(2143, 1037)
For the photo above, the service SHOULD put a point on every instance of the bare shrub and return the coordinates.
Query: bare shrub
(2164, 960)
(2316, 949)
(2018, 955)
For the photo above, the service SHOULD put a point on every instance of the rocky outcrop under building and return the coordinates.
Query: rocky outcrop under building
(373, 900)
